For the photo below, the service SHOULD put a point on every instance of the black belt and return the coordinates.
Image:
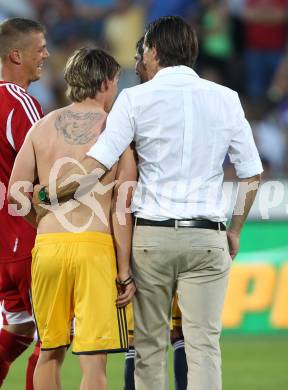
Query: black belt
(182, 223)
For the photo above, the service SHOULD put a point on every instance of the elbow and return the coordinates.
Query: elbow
(257, 177)
(251, 179)
(14, 196)
(10, 197)
(13, 201)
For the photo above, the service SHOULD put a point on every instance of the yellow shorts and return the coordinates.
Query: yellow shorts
(73, 275)
(176, 313)
(130, 323)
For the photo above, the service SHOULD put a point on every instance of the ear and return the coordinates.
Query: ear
(154, 53)
(15, 56)
(104, 86)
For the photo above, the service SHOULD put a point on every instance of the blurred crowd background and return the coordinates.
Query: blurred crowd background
(243, 45)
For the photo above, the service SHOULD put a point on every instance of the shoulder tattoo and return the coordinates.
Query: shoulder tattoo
(76, 127)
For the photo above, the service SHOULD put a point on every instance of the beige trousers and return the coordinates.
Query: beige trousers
(195, 263)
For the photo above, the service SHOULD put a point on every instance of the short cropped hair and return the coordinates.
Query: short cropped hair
(174, 39)
(85, 71)
(13, 32)
(139, 47)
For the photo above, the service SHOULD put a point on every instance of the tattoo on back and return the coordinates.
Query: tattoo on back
(75, 127)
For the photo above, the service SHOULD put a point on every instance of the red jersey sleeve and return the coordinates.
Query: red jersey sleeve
(27, 111)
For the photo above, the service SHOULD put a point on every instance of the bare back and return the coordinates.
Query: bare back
(60, 141)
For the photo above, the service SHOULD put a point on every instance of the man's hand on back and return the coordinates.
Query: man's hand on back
(38, 206)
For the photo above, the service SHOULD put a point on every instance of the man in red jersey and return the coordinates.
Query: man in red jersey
(22, 51)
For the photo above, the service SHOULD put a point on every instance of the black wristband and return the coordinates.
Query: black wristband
(123, 283)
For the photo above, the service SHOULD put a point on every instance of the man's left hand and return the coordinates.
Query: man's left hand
(234, 242)
(40, 211)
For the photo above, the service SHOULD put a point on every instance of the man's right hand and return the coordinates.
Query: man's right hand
(126, 295)
(125, 291)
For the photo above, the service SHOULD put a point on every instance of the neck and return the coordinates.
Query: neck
(155, 71)
(15, 75)
(90, 104)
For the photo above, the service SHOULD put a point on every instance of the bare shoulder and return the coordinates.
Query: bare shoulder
(39, 129)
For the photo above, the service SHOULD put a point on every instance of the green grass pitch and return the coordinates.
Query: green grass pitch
(249, 363)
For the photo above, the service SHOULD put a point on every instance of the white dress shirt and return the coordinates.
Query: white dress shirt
(183, 127)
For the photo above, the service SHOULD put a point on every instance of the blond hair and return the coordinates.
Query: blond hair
(85, 71)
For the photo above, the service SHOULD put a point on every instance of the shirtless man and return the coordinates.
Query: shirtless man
(74, 266)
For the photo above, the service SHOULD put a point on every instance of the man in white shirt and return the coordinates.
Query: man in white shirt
(176, 334)
(183, 127)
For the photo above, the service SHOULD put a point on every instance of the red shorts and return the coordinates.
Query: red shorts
(15, 283)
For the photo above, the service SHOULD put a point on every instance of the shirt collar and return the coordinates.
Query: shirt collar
(179, 69)
(3, 82)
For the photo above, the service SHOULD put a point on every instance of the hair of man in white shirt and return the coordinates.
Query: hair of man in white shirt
(174, 40)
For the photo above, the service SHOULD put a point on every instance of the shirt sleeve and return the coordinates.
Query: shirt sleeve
(24, 117)
(118, 134)
(242, 150)
(21, 124)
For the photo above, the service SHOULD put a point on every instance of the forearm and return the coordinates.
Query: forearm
(245, 198)
(80, 179)
(24, 210)
(123, 242)
(31, 218)
(123, 239)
